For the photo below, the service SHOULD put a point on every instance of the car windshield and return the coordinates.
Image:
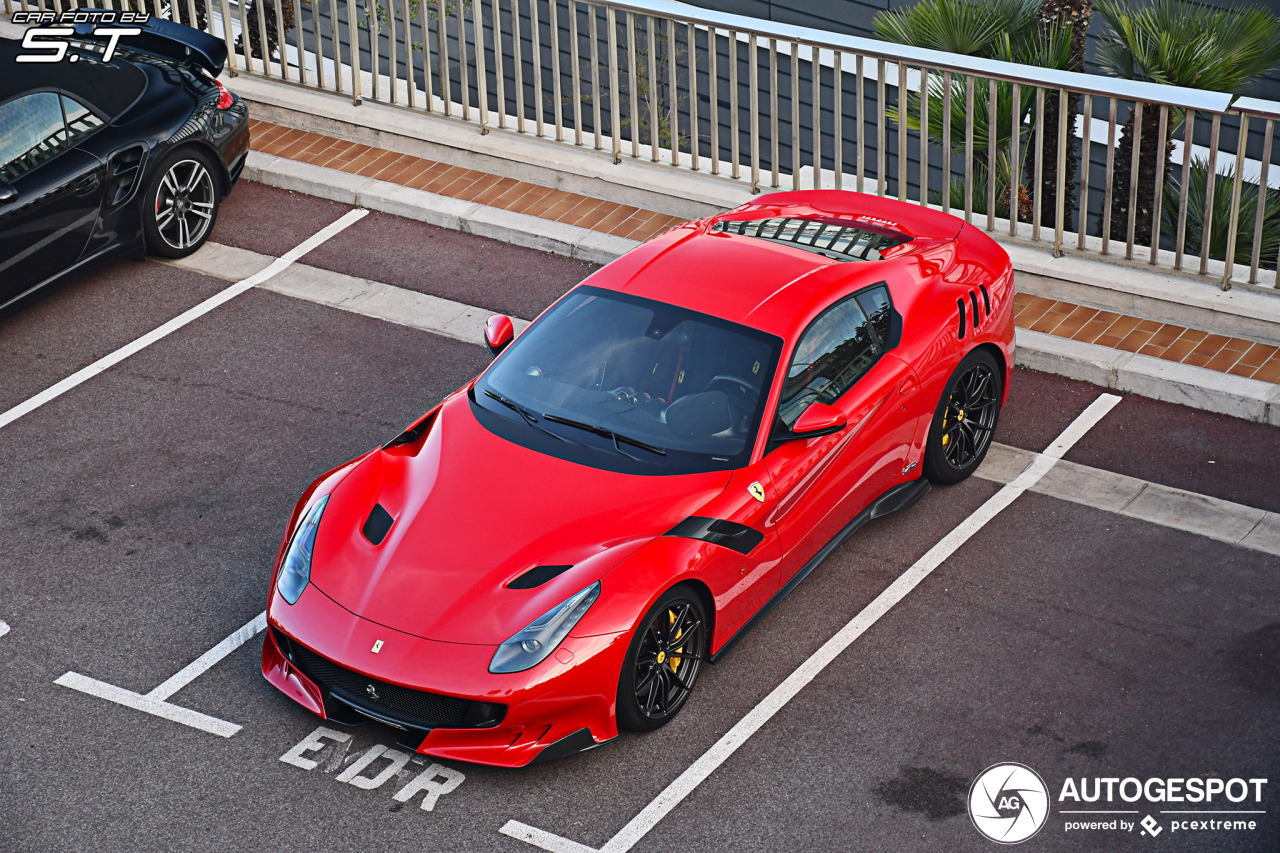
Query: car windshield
(630, 384)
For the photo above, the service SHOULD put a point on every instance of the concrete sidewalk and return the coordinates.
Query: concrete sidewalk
(1199, 367)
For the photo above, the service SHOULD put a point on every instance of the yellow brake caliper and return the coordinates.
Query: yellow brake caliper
(674, 659)
(959, 417)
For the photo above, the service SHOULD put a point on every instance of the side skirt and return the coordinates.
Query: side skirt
(900, 497)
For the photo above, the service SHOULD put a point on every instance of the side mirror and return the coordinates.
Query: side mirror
(817, 420)
(7, 193)
(498, 332)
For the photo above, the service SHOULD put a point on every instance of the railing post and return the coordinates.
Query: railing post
(1211, 180)
(1229, 259)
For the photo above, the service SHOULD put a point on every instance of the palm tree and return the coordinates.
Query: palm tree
(1180, 44)
(958, 26)
(1006, 30)
(1072, 16)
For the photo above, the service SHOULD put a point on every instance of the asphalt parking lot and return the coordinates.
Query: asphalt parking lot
(142, 509)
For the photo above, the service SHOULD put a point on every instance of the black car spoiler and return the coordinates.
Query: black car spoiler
(178, 42)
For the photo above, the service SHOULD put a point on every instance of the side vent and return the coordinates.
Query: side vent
(979, 314)
(537, 576)
(377, 525)
(728, 534)
(125, 170)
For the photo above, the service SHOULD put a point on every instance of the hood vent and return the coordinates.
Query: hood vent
(377, 525)
(537, 576)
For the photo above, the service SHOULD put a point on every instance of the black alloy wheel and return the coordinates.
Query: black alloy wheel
(964, 420)
(663, 661)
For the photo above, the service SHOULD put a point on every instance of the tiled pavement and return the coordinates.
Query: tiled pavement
(467, 184)
(1236, 356)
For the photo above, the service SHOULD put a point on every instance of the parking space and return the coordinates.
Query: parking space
(142, 510)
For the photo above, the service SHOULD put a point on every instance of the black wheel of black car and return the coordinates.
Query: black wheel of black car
(964, 420)
(182, 204)
(663, 661)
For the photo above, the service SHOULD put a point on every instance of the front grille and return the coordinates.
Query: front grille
(414, 708)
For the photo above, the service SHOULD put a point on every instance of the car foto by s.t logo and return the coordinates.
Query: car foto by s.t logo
(48, 40)
(1008, 803)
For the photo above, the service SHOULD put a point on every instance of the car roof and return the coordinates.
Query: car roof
(774, 285)
(107, 87)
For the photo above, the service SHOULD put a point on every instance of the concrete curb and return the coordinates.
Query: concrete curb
(1196, 387)
(516, 228)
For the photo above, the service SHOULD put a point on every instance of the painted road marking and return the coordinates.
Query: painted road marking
(274, 268)
(154, 702)
(155, 707)
(1203, 515)
(719, 752)
(398, 305)
(433, 782)
(197, 667)
(4, 627)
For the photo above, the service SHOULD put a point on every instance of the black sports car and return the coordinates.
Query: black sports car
(128, 155)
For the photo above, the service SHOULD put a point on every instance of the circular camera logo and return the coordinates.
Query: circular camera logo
(1008, 803)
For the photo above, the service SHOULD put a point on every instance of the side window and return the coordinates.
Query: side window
(833, 352)
(80, 121)
(880, 312)
(31, 133)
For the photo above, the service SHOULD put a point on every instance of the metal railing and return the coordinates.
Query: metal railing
(787, 107)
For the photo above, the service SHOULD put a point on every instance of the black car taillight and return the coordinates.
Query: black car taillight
(225, 98)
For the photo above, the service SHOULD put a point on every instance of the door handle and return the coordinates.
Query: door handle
(85, 185)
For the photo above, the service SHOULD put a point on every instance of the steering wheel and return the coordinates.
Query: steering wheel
(742, 397)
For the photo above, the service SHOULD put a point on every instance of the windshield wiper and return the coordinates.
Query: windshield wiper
(608, 433)
(520, 410)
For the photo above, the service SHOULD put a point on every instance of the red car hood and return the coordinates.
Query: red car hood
(472, 512)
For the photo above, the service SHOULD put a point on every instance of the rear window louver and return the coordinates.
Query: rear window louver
(831, 238)
(979, 315)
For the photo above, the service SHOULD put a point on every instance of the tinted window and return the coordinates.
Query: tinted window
(689, 384)
(875, 302)
(833, 352)
(31, 133)
(80, 122)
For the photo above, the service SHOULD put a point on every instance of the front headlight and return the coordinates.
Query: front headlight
(531, 646)
(295, 568)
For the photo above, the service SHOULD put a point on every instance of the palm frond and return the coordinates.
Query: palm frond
(970, 27)
(1197, 185)
(1185, 44)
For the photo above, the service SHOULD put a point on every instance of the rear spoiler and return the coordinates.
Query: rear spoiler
(178, 42)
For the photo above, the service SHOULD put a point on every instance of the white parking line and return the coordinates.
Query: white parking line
(86, 373)
(197, 667)
(155, 707)
(691, 778)
(154, 702)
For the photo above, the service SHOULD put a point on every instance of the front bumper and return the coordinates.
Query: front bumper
(440, 696)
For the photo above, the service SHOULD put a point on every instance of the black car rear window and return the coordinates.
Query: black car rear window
(109, 88)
